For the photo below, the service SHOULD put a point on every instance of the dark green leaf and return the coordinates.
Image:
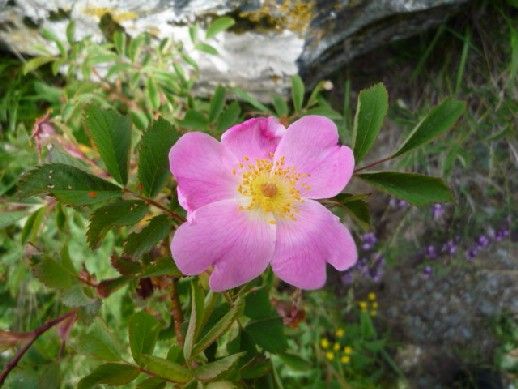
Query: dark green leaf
(118, 214)
(219, 328)
(55, 274)
(357, 208)
(109, 374)
(68, 184)
(218, 25)
(217, 103)
(370, 111)
(440, 119)
(142, 332)
(165, 369)
(281, 108)
(139, 243)
(163, 266)
(153, 167)
(414, 188)
(194, 120)
(256, 367)
(248, 98)
(268, 333)
(258, 306)
(152, 383)
(99, 343)
(297, 92)
(212, 370)
(195, 320)
(295, 362)
(229, 116)
(111, 133)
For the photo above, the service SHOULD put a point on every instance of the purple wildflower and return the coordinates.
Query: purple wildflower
(438, 211)
(427, 271)
(430, 252)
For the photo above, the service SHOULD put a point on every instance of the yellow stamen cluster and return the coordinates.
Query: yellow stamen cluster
(270, 186)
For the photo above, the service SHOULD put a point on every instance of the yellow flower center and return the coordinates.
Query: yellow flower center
(270, 187)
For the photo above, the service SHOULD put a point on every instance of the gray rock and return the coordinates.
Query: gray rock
(272, 40)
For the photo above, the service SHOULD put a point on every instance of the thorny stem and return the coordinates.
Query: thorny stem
(375, 163)
(35, 335)
(176, 312)
(178, 218)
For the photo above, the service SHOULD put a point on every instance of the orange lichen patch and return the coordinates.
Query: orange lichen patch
(118, 16)
(92, 195)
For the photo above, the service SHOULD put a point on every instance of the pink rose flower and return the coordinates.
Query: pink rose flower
(251, 202)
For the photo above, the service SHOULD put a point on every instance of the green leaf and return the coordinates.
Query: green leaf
(248, 98)
(414, 188)
(297, 92)
(118, 214)
(165, 369)
(153, 95)
(152, 383)
(67, 183)
(32, 225)
(268, 333)
(35, 63)
(110, 285)
(153, 167)
(139, 243)
(163, 266)
(195, 320)
(206, 48)
(194, 120)
(111, 133)
(218, 25)
(281, 108)
(109, 374)
(55, 274)
(219, 328)
(357, 208)
(258, 306)
(228, 117)
(295, 362)
(212, 370)
(99, 343)
(142, 332)
(440, 119)
(217, 102)
(11, 217)
(371, 109)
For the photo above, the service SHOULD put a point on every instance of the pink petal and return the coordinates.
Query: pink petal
(305, 244)
(255, 138)
(203, 169)
(237, 243)
(311, 146)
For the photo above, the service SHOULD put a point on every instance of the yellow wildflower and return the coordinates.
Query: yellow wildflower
(340, 332)
(336, 347)
(330, 356)
(372, 296)
(324, 343)
(363, 305)
(345, 359)
(348, 350)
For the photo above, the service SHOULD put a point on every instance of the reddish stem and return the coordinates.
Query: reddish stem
(176, 312)
(372, 164)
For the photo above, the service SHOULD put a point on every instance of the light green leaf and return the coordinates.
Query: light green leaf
(153, 96)
(152, 383)
(371, 109)
(32, 225)
(295, 362)
(297, 92)
(218, 25)
(118, 214)
(219, 328)
(281, 108)
(440, 119)
(55, 273)
(248, 98)
(195, 320)
(139, 243)
(211, 371)
(414, 188)
(35, 63)
(68, 184)
(111, 133)
(206, 48)
(165, 369)
(194, 120)
(10, 217)
(99, 343)
(142, 332)
(114, 374)
(217, 102)
(153, 167)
